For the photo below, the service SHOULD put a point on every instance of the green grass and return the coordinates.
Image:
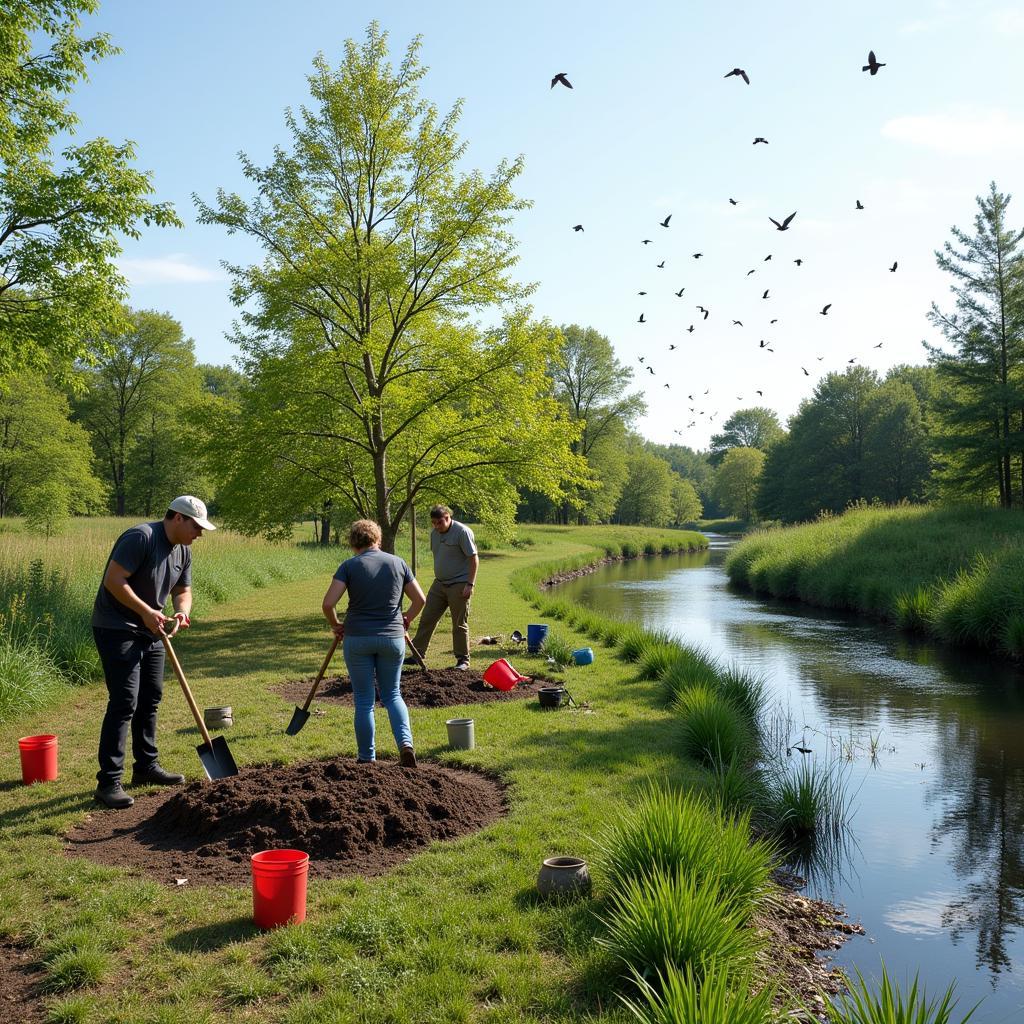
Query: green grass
(559, 649)
(887, 1004)
(806, 797)
(713, 730)
(954, 573)
(671, 831)
(451, 935)
(28, 678)
(723, 995)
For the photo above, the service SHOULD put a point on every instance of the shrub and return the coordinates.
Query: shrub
(28, 677)
(671, 832)
(744, 691)
(692, 666)
(723, 996)
(655, 658)
(665, 919)
(737, 786)
(807, 798)
(862, 1005)
(632, 642)
(713, 730)
(558, 649)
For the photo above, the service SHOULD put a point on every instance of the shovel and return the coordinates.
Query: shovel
(416, 654)
(300, 716)
(214, 754)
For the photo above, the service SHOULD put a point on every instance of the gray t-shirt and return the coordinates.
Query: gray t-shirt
(452, 551)
(155, 567)
(375, 582)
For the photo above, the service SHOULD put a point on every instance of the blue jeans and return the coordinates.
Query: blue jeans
(377, 660)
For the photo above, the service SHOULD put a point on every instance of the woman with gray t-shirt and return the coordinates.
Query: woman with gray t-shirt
(374, 634)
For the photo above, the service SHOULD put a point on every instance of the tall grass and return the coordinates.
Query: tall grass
(888, 1005)
(669, 831)
(808, 797)
(669, 919)
(724, 995)
(713, 730)
(28, 678)
(954, 573)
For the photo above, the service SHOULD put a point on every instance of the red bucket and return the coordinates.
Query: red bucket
(38, 758)
(501, 675)
(279, 887)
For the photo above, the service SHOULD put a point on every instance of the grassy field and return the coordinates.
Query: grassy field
(453, 935)
(954, 573)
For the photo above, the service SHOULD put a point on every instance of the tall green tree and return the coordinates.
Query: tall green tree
(46, 463)
(61, 215)
(757, 427)
(594, 387)
(981, 403)
(371, 387)
(686, 504)
(896, 462)
(737, 481)
(647, 497)
(137, 406)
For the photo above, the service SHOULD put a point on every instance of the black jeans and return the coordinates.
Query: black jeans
(133, 665)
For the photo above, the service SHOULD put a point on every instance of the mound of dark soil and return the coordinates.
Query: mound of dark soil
(350, 818)
(438, 688)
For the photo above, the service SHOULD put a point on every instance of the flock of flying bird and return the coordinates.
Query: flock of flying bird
(872, 68)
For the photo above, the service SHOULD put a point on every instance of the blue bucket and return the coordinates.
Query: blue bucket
(583, 656)
(535, 637)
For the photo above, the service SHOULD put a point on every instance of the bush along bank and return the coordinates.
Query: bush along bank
(694, 914)
(952, 573)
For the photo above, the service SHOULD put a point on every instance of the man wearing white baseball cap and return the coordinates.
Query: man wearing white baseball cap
(149, 563)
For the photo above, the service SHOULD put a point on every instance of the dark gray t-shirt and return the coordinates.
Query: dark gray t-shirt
(155, 567)
(452, 551)
(375, 582)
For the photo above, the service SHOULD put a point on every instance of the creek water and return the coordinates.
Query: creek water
(931, 743)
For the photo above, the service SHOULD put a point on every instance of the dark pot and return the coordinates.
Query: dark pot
(551, 696)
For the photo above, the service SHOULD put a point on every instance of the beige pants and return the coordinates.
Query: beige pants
(439, 598)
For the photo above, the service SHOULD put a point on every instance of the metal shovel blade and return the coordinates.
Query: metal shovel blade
(216, 759)
(299, 719)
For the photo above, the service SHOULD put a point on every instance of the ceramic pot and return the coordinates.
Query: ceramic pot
(563, 876)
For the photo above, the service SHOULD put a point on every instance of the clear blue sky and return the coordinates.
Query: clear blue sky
(650, 128)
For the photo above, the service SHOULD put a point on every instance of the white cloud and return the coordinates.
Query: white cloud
(1007, 21)
(962, 130)
(174, 268)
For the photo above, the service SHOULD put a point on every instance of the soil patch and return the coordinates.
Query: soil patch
(350, 818)
(20, 985)
(797, 928)
(438, 688)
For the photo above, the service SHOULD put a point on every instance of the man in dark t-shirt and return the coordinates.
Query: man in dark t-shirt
(148, 564)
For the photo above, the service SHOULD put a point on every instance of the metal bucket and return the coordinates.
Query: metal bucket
(218, 718)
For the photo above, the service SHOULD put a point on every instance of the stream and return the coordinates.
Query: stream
(931, 743)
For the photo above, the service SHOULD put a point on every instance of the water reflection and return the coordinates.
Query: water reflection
(933, 741)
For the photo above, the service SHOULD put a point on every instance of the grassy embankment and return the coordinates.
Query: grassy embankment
(954, 573)
(456, 934)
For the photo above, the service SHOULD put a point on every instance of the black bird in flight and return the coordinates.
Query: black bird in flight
(739, 322)
(872, 64)
(762, 344)
(697, 255)
(733, 202)
(641, 320)
(708, 392)
(749, 272)
(645, 241)
(577, 227)
(650, 370)
(798, 262)
(775, 321)
(742, 74)
(704, 311)
(664, 385)
(679, 294)
(767, 258)
(690, 397)
(689, 330)
(671, 348)
(640, 358)
(784, 226)
(851, 360)
(892, 269)
(759, 139)
(664, 223)
(826, 308)
(879, 345)
(765, 296)
(641, 293)
(560, 79)
(819, 358)
(661, 265)
(806, 374)
(761, 393)
(860, 205)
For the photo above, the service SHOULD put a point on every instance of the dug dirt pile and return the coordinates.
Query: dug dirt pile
(438, 688)
(350, 818)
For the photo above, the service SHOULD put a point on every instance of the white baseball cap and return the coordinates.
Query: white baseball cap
(192, 507)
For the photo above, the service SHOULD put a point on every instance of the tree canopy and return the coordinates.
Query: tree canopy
(61, 217)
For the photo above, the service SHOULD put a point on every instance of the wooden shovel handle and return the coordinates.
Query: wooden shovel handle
(188, 693)
(416, 654)
(320, 674)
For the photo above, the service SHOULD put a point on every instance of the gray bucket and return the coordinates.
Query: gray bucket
(218, 718)
(460, 733)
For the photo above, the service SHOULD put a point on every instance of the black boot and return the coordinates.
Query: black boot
(113, 796)
(154, 775)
